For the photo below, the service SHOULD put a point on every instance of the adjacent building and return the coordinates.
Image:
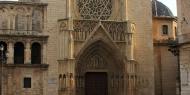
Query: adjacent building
(166, 63)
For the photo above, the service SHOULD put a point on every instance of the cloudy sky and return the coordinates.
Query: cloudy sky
(171, 4)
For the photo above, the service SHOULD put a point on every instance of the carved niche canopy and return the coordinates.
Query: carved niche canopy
(95, 9)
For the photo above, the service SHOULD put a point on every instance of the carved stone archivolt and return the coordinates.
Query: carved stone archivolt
(96, 61)
(95, 9)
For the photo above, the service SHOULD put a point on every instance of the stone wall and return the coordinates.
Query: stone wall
(14, 77)
(56, 10)
(184, 39)
(140, 13)
(165, 71)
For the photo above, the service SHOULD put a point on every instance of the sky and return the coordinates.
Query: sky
(8, 0)
(171, 4)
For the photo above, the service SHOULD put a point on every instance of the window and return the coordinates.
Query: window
(36, 53)
(165, 29)
(3, 53)
(19, 53)
(27, 82)
(176, 31)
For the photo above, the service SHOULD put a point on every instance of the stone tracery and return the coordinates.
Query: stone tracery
(117, 30)
(95, 9)
(83, 28)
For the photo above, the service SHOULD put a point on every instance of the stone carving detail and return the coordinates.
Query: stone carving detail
(36, 20)
(117, 30)
(63, 26)
(95, 9)
(21, 17)
(95, 62)
(62, 81)
(117, 80)
(3, 19)
(133, 28)
(21, 22)
(79, 81)
(66, 81)
(83, 28)
(3, 22)
(185, 70)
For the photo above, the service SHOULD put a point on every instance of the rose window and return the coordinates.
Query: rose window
(95, 9)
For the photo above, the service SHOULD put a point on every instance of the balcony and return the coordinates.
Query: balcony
(26, 33)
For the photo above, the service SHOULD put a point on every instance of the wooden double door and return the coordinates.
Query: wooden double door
(96, 83)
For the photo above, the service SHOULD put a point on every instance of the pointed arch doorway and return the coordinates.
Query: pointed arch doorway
(99, 70)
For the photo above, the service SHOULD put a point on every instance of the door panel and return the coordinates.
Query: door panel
(96, 83)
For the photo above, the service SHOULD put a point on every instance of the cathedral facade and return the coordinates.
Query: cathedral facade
(77, 47)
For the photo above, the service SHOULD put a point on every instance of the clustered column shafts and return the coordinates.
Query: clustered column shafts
(27, 54)
(10, 56)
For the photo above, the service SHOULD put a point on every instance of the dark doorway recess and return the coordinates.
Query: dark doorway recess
(19, 53)
(36, 53)
(96, 83)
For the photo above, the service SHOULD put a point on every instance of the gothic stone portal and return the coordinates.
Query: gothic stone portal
(99, 71)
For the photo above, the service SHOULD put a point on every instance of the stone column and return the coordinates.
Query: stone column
(68, 7)
(44, 55)
(14, 23)
(29, 22)
(10, 53)
(44, 21)
(130, 41)
(27, 54)
(124, 10)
